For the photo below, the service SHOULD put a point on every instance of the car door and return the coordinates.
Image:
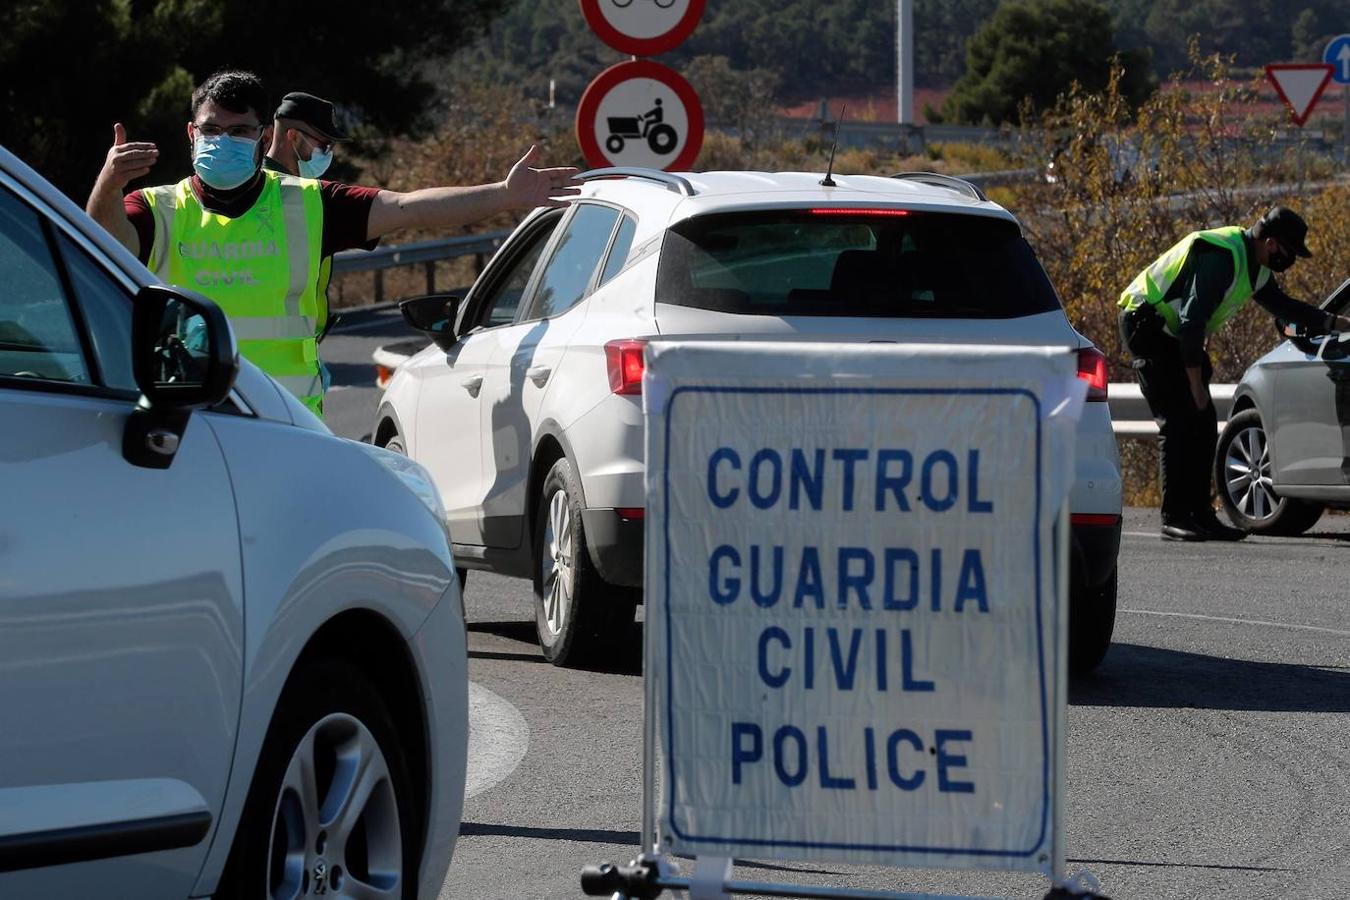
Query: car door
(1311, 418)
(448, 439)
(121, 617)
(524, 358)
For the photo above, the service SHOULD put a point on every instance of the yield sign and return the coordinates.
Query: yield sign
(1299, 86)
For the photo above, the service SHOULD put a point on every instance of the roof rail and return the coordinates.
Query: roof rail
(947, 181)
(674, 182)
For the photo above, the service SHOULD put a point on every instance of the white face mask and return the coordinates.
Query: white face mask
(316, 165)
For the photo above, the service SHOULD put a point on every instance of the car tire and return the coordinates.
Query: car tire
(578, 615)
(330, 721)
(1092, 619)
(1242, 475)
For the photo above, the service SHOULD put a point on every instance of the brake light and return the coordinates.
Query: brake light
(1092, 369)
(1094, 519)
(857, 211)
(624, 361)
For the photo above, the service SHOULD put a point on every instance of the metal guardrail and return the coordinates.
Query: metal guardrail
(1129, 410)
(424, 253)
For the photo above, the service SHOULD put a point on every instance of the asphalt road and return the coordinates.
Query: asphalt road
(1209, 756)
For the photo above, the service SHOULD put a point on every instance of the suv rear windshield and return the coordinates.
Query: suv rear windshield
(885, 263)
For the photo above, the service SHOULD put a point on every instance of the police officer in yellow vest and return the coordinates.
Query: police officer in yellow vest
(1165, 314)
(258, 242)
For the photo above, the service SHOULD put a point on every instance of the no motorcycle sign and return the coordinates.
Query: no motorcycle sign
(642, 27)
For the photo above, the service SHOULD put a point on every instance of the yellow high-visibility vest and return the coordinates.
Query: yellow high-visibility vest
(264, 269)
(1150, 285)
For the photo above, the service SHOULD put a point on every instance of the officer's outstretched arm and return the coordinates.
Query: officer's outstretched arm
(449, 207)
(125, 163)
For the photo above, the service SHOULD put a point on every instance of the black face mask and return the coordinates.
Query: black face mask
(1279, 261)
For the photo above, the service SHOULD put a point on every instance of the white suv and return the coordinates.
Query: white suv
(527, 407)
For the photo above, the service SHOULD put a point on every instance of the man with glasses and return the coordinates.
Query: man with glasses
(258, 242)
(1165, 314)
(303, 136)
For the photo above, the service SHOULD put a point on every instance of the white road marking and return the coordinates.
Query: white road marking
(498, 739)
(1263, 623)
(1151, 534)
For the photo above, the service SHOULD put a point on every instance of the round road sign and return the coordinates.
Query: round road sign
(640, 113)
(642, 27)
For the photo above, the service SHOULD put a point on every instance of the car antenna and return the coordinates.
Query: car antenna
(827, 181)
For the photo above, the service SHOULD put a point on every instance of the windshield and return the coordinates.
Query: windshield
(881, 263)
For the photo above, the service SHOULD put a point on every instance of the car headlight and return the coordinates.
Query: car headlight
(411, 473)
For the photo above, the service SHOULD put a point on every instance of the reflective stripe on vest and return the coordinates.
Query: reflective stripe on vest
(262, 268)
(1152, 284)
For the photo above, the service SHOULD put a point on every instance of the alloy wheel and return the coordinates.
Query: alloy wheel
(336, 829)
(557, 562)
(1247, 475)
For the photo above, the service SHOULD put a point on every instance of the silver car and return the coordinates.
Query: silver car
(1284, 456)
(232, 654)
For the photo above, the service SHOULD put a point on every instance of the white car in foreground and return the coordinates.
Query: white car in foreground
(232, 655)
(527, 409)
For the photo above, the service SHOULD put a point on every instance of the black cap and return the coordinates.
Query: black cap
(1287, 227)
(315, 112)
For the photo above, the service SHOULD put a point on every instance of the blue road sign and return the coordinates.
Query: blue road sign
(1337, 55)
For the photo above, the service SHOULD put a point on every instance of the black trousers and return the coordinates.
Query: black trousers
(1187, 436)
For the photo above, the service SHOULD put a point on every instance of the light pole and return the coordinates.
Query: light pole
(904, 61)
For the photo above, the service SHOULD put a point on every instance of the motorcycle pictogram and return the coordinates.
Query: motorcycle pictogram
(659, 136)
(664, 4)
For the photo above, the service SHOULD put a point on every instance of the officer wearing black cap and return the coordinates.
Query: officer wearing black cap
(303, 139)
(1165, 314)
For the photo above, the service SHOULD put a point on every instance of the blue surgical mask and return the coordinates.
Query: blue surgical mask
(224, 162)
(317, 164)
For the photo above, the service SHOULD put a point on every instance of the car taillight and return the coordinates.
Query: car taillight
(624, 361)
(1092, 369)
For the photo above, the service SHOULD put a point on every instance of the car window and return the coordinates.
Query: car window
(618, 254)
(574, 261)
(38, 336)
(887, 263)
(503, 299)
(107, 315)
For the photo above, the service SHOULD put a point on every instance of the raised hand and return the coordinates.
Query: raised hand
(126, 161)
(529, 187)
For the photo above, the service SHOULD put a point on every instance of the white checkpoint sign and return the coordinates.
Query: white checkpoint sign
(855, 625)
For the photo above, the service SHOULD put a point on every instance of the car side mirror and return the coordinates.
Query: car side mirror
(433, 315)
(184, 357)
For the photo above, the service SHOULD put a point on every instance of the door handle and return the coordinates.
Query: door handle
(472, 384)
(538, 374)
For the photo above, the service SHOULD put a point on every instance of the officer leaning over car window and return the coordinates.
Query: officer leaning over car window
(1166, 312)
(258, 242)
